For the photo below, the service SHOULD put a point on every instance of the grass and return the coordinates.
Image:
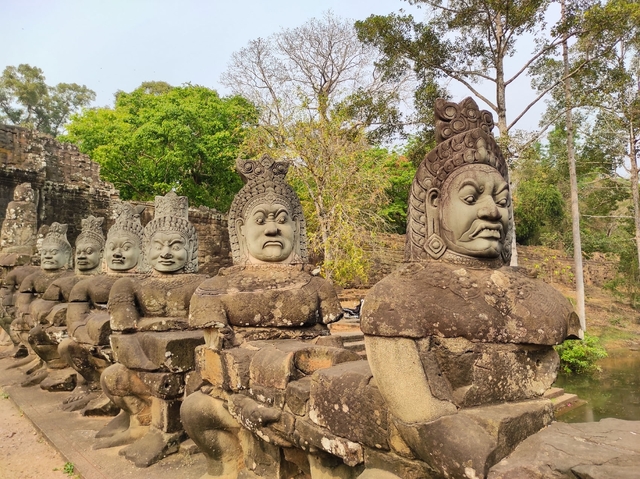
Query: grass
(612, 334)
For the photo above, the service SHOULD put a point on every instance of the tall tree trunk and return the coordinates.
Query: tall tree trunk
(575, 209)
(633, 159)
(501, 110)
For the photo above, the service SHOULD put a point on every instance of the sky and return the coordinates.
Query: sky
(111, 45)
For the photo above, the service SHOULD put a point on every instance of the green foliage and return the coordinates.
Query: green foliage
(325, 106)
(538, 206)
(158, 138)
(69, 468)
(463, 40)
(580, 356)
(400, 172)
(26, 100)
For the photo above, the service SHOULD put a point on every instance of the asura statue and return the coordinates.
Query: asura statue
(49, 313)
(456, 335)
(259, 315)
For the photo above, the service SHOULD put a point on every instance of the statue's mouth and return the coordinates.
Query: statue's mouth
(166, 262)
(486, 230)
(272, 243)
(117, 260)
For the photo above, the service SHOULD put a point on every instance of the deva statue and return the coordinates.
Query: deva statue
(49, 312)
(456, 334)
(87, 349)
(55, 263)
(152, 345)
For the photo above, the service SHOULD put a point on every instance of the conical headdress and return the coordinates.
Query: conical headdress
(463, 135)
(171, 216)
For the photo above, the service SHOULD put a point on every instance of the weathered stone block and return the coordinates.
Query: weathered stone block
(343, 401)
(164, 385)
(313, 358)
(271, 367)
(237, 362)
(165, 415)
(467, 444)
(297, 395)
(482, 373)
(209, 365)
(603, 450)
(171, 350)
(400, 466)
(309, 436)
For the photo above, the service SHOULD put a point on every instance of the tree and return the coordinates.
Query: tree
(609, 46)
(464, 40)
(158, 138)
(323, 103)
(26, 100)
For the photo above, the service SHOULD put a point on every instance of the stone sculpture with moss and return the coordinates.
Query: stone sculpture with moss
(152, 345)
(264, 311)
(87, 349)
(457, 340)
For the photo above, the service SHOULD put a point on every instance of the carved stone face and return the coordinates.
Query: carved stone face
(53, 256)
(269, 233)
(167, 252)
(123, 251)
(88, 255)
(474, 214)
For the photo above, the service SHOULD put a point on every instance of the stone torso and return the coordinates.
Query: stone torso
(38, 282)
(483, 305)
(264, 296)
(159, 302)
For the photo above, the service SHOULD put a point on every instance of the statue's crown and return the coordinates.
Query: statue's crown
(127, 219)
(91, 230)
(171, 205)
(58, 233)
(263, 169)
(455, 118)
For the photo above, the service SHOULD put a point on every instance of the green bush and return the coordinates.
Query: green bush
(580, 356)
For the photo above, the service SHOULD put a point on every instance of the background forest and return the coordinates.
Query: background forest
(351, 106)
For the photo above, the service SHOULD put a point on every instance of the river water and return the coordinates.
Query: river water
(615, 392)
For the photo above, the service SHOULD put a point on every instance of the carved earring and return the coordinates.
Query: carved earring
(435, 245)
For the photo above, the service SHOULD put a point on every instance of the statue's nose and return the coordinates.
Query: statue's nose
(489, 211)
(271, 228)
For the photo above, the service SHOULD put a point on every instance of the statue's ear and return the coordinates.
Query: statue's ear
(433, 198)
(240, 227)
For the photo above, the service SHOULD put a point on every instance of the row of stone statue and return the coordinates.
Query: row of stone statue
(459, 345)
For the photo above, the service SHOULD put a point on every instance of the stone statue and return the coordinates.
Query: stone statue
(18, 232)
(455, 333)
(152, 345)
(8, 292)
(87, 349)
(49, 312)
(55, 263)
(266, 306)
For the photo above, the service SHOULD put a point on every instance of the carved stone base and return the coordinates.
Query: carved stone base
(467, 444)
(152, 447)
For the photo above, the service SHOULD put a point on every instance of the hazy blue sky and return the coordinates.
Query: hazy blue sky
(111, 45)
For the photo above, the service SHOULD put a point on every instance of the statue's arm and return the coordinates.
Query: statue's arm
(330, 307)
(123, 306)
(398, 371)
